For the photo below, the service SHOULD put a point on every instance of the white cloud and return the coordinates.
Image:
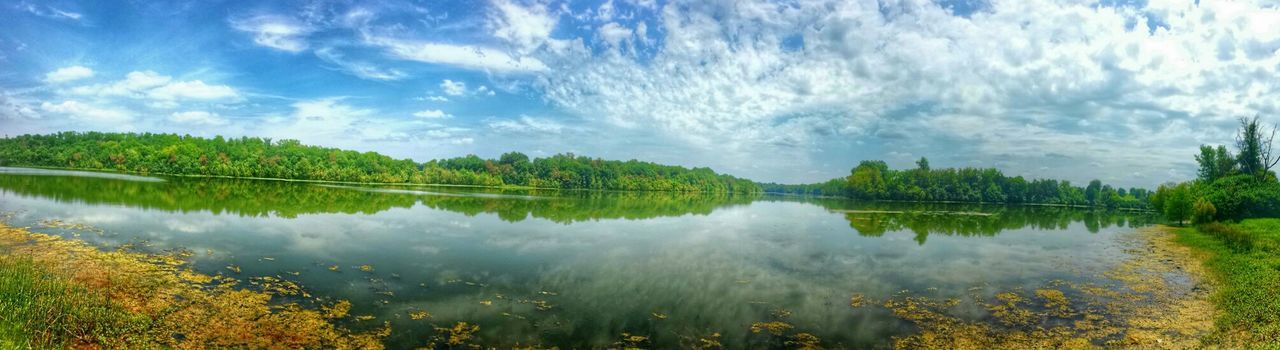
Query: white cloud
(50, 12)
(149, 84)
(525, 28)
(432, 114)
(527, 124)
(66, 74)
(134, 84)
(277, 32)
(198, 118)
(436, 98)
(194, 90)
(730, 77)
(613, 33)
(88, 113)
(364, 70)
(465, 56)
(453, 88)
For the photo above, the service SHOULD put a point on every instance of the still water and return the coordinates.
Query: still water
(579, 269)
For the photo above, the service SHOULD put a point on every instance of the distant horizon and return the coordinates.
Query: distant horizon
(495, 157)
(1120, 91)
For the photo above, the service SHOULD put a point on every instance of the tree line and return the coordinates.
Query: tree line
(1227, 186)
(873, 180)
(148, 153)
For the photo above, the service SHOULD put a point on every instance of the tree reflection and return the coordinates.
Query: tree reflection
(257, 198)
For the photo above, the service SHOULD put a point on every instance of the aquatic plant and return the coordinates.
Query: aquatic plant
(64, 293)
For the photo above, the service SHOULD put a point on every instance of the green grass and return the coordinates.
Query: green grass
(1245, 257)
(39, 310)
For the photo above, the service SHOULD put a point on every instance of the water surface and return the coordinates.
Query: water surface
(578, 269)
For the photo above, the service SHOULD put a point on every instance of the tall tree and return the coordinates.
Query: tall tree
(923, 163)
(1255, 148)
(1091, 192)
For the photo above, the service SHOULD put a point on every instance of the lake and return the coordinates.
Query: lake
(580, 269)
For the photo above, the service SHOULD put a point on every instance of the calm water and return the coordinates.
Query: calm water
(578, 269)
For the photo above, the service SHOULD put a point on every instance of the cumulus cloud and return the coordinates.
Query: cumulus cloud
(66, 74)
(747, 76)
(152, 85)
(453, 88)
(194, 89)
(277, 32)
(202, 118)
(432, 114)
(525, 28)
(87, 112)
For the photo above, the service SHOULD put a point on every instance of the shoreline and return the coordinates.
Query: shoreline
(66, 293)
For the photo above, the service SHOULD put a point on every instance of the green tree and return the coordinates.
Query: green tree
(1255, 148)
(1179, 204)
(1091, 192)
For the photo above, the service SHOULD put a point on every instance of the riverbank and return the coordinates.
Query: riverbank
(59, 293)
(1245, 258)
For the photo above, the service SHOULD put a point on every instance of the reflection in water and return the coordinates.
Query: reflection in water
(923, 219)
(287, 199)
(578, 269)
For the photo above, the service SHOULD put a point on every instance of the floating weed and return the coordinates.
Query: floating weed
(775, 327)
(659, 316)
(1055, 301)
(803, 341)
(419, 314)
(365, 318)
(167, 304)
(334, 268)
(548, 293)
(338, 309)
(267, 258)
(631, 341)
(781, 313)
(460, 334)
(233, 268)
(366, 268)
(387, 293)
(710, 342)
(486, 302)
(857, 301)
(295, 273)
(1142, 310)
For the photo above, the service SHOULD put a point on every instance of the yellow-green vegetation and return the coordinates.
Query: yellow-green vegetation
(1245, 257)
(57, 293)
(1160, 300)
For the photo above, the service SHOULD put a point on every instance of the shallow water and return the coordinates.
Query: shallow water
(579, 269)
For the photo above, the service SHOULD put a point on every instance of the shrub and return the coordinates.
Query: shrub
(1203, 212)
(1234, 238)
(1243, 196)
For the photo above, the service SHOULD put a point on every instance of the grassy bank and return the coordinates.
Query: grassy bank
(1245, 258)
(57, 293)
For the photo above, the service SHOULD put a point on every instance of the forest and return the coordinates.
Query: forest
(171, 154)
(873, 180)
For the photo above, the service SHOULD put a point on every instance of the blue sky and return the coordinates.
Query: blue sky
(788, 91)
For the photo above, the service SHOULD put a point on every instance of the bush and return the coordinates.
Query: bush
(1203, 212)
(1234, 238)
(1243, 196)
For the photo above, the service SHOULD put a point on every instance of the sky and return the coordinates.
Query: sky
(776, 91)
